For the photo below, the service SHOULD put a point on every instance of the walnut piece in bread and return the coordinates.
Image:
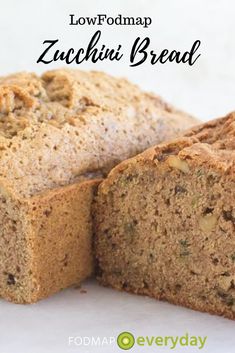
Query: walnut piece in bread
(59, 134)
(165, 221)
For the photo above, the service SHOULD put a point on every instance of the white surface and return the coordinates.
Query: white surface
(45, 327)
(206, 90)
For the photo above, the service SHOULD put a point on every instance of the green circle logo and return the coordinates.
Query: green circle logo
(126, 340)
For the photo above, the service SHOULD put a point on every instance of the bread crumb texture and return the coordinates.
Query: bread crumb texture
(165, 221)
(59, 134)
(57, 127)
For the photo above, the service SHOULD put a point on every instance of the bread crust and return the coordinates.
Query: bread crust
(59, 134)
(200, 164)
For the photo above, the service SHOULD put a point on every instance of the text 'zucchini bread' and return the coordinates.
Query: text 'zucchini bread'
(165, 221)
(59, 134)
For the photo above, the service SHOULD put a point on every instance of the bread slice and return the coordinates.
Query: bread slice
(59, 134)
(45, 241)
(165, 221)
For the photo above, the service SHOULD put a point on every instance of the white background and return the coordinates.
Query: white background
(206, 90)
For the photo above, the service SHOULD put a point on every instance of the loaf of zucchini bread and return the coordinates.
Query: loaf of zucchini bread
(165, 221)
(59, 134)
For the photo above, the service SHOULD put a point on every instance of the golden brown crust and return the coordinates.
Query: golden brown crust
(66, 123)
(164, 221)
(212, 142)
(56, 132)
